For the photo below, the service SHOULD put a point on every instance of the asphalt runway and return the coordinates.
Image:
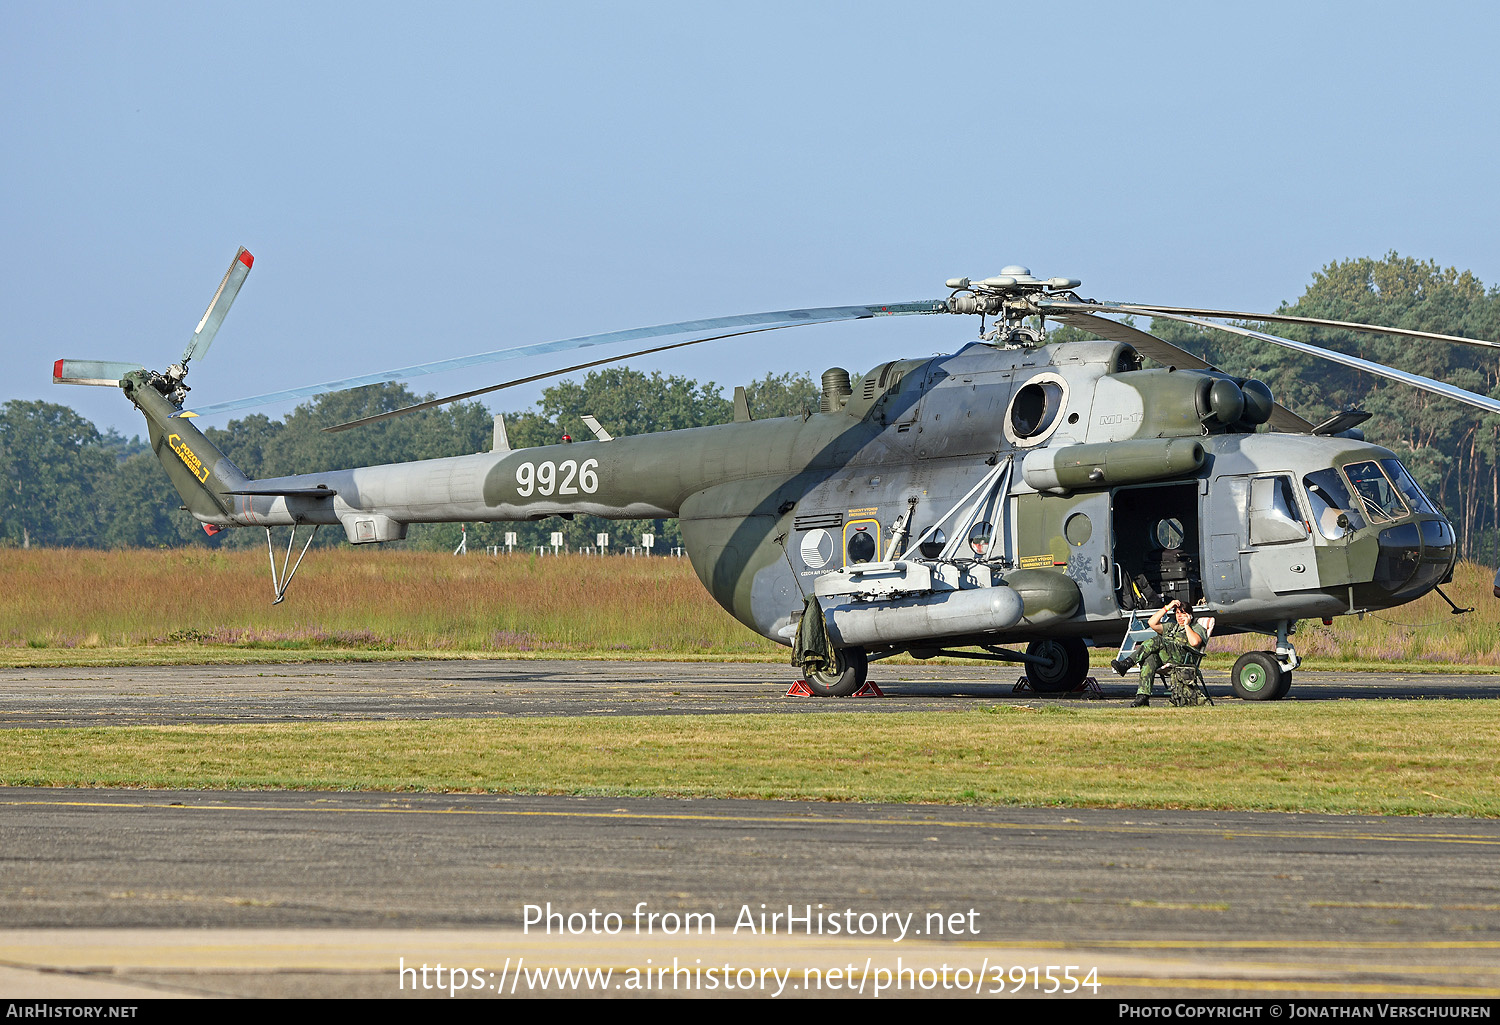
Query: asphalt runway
(150, 893)
(323, 692)
(329, 893)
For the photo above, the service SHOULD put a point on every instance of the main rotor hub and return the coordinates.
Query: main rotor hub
(995, 294)
(1008, 296)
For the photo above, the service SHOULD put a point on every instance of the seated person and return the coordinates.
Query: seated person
(1179, 635)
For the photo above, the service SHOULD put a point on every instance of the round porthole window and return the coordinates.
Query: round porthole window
(861, 547)
(1078, 529)
(933, 546)
(981, 537)
(1169, 533)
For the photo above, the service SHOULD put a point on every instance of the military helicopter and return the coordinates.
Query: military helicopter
(1018, 500)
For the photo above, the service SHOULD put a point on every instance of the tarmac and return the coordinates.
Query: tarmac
(126, 895)
(324, 692)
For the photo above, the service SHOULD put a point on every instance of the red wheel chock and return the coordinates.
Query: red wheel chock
(800, 689)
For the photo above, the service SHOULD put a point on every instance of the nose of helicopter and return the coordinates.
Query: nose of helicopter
(1414, 558)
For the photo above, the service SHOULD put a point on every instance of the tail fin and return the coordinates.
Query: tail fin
(198, 470)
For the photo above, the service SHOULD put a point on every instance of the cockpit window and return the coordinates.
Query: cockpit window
(1408, 487)
(1379, 495)
(1330, 500)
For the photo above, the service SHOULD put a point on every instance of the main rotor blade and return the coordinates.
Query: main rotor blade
(1159, 349)
(781, 318)
(1379, 369)
(1286, 318)
(1167, 354)
(218, 306)
(541, 377)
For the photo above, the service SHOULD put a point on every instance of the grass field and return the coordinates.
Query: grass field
(72, 603)
(76, 606)
(59, 607)
(1439, 757)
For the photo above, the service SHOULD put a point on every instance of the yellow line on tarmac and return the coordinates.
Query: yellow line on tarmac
(1302, 944)
(1151, 829)
(1298, 986)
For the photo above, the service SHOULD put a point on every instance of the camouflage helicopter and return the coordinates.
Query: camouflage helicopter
(1018, 492)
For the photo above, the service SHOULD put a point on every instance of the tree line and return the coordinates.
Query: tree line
(66, 484)
(1453, 450)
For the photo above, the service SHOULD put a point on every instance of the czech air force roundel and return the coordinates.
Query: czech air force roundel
(817, 548)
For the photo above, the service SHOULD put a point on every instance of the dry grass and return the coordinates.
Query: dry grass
(361, 601)
(81, 606)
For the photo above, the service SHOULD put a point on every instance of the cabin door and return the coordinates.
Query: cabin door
(1156, 545)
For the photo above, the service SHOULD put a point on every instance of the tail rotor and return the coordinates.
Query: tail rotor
(107, 373)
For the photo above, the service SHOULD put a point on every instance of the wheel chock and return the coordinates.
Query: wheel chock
(1089, 686)
(800, 689)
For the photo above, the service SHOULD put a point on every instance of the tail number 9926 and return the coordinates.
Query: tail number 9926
(566, 478)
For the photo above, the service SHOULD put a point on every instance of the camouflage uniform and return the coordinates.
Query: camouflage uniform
(1171, 645)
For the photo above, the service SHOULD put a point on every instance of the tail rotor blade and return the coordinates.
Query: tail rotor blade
(203, 337)
(103, 373)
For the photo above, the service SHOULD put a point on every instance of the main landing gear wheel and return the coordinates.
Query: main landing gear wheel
(1257, 676)
(841, 685)
(1069, 665)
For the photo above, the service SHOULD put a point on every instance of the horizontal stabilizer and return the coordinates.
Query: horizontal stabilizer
(91, 371)
(317, 492)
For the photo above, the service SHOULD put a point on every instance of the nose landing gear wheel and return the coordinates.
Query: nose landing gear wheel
(841, 685)
(1257, 676)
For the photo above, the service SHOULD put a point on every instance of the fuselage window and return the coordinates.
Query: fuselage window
(934, 545)
(1273, 512)
(861, 547)
(980, 538)
(1169, 534)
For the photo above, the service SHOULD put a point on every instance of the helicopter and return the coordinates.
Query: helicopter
(1020, 500)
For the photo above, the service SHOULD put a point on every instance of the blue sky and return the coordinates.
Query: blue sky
(422, 181)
